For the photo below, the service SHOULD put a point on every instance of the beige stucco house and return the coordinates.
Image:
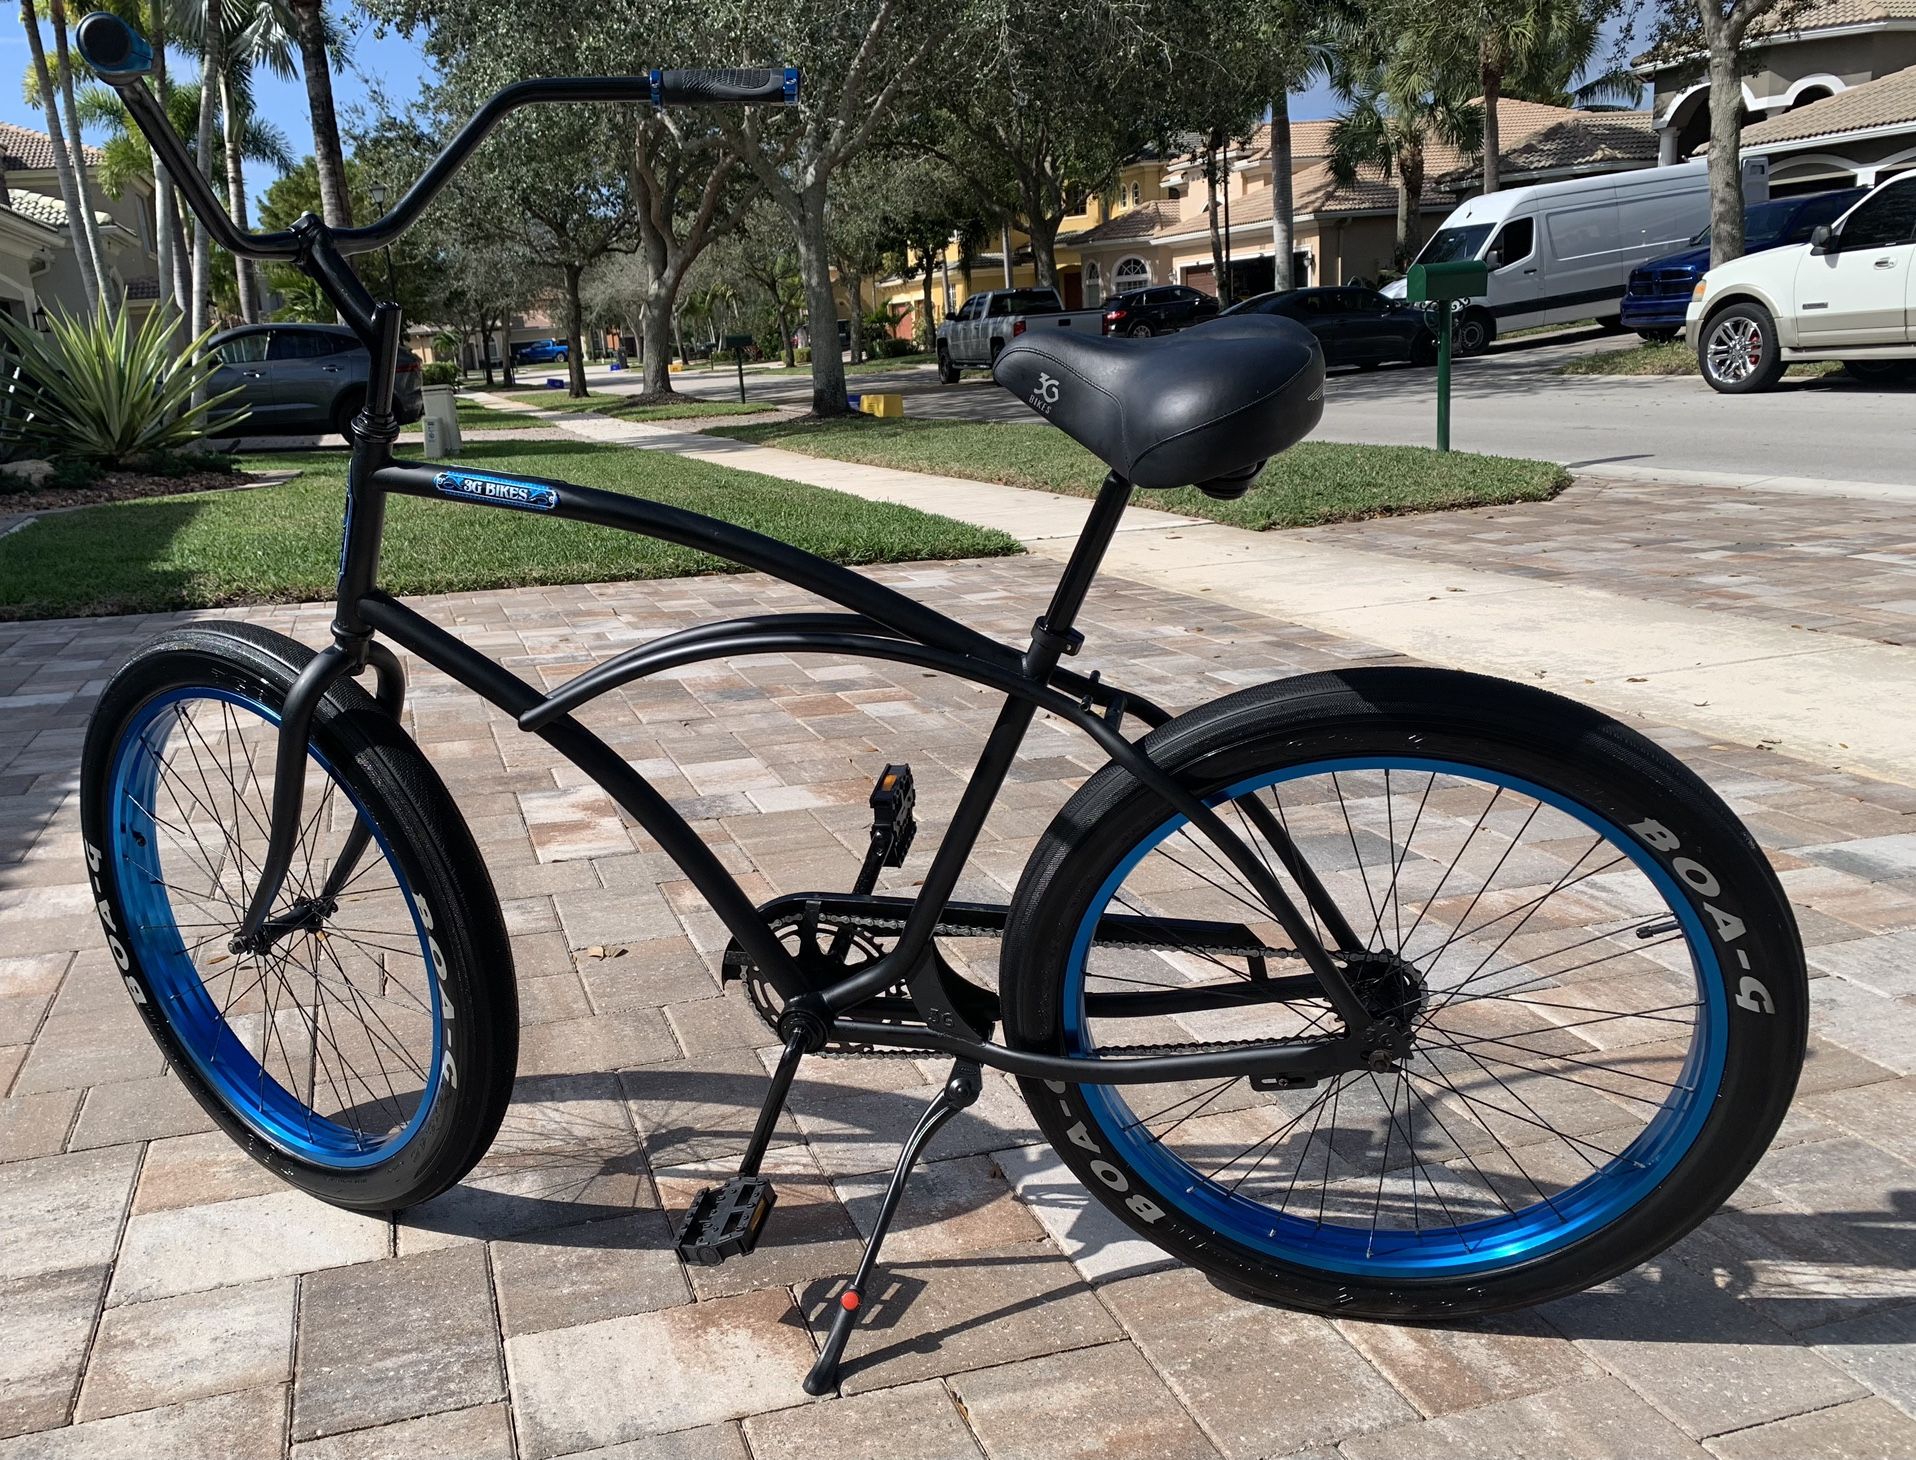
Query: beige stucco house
(38, 267)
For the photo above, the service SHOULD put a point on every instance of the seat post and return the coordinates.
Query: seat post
(1053, 635)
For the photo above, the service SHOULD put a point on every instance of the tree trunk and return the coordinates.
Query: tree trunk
(855, 287)
(1490, 77)
(655, 349)
(821, 309)
(1042, 233)
(85, 228)
(203, 142)
(485, 352)
(926, 335)
(335, 201)
(784, 330)
(1210, 212)
(1410, 195)
(171, 295)
(232, 123)
(1726, 142)
(574, 333)
(1283, 202)
(62, 160)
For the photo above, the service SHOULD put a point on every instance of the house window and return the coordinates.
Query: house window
(1131, 273)
(1137, 194)
(1093, 284)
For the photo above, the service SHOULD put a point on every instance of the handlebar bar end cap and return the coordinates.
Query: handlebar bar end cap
(656, 78)
(115, 50)
(791, 85)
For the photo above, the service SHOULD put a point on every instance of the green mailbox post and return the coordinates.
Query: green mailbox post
(738, 344)
(1443, 285)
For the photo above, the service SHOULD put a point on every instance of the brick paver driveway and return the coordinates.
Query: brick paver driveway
(160, 1296)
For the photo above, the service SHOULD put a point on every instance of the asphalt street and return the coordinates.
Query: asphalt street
(1512, 402)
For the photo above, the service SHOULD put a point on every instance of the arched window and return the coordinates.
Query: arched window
(1093, 284)
(1137, 194)
(1131, 273)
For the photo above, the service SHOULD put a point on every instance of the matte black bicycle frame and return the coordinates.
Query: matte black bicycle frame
(877, 623)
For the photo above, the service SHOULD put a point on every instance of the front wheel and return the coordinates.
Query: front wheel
(1740, 355)
(1473, 332)
(366, 1052)
(1602, 986)
(947, 372)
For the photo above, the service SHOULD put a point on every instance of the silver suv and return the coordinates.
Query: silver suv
(301, 379)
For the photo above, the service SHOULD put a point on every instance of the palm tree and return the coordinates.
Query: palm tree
(308, 21)
(80, 218)
(232, 38)
(1529, 48)
(1393, 112)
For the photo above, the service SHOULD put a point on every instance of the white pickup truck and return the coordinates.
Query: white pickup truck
(988, 322)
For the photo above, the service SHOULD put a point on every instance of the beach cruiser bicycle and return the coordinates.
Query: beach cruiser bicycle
(1393, 993)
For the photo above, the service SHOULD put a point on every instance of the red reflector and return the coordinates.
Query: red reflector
(1017, 328)
(848, 1300)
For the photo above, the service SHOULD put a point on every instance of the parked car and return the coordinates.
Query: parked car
(1846, 294)
(1659, 292)
(540, 352)
(299, 379)
(1354, 326)
(1561, 252)
(987, 322)
(1157, 311)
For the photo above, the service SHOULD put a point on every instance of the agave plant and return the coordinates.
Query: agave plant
(96, 388)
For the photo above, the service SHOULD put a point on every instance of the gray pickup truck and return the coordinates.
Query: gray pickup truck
(988, 322)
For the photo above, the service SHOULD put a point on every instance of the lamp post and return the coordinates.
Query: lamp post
(379, 192)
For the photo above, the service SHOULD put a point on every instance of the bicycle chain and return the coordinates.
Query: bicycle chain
(867, 923)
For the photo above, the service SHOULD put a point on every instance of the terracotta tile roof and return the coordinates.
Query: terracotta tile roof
(25, 150)
(148, 288)
(1811, 16)
(1589, 139)
(1884, 102)
(1139, 222)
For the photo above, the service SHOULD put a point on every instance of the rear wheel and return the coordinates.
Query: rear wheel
(1473, 332)
(1740, 355)
(1657, 337)
(1600, 977)
(1140, 331)
(1881, 372)
(366, 1053)
(345, 409)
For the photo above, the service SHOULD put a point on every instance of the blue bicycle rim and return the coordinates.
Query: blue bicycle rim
(177, 987)
(1442, 1251)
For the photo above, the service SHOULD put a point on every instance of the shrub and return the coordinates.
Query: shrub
(440, 372)
(96, 389)
(889, 348)
(802, 355)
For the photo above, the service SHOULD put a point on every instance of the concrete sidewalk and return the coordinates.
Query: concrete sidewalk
(1833, 699)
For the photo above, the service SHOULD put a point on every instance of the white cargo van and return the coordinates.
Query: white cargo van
(1563, 251)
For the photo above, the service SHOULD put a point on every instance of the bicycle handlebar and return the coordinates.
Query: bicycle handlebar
(122, 58)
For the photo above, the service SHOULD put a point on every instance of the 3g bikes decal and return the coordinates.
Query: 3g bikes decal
(478, 486)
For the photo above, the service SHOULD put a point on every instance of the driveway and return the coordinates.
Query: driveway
(159, 1295)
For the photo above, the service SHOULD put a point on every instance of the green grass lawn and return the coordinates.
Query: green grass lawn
(626, 409)
(280, 544)
(473, 416)
(874, 367)
(1671, 358)
(1313, 482)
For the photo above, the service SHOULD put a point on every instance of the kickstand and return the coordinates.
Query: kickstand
(961, 1089)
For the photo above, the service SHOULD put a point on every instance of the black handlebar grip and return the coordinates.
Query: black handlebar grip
(114, 49)
(738, 87)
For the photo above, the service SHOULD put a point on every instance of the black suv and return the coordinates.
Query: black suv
(302, 379)
(1158, 310)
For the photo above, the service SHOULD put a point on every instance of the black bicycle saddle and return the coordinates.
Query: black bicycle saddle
(1206, 407)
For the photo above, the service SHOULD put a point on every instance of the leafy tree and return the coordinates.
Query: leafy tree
(761, 253)
(417, 265)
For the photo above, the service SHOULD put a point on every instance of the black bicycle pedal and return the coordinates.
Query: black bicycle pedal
(893, 825)
(724, 1221)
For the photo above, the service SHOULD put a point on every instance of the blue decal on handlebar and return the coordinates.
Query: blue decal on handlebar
(475, 486)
